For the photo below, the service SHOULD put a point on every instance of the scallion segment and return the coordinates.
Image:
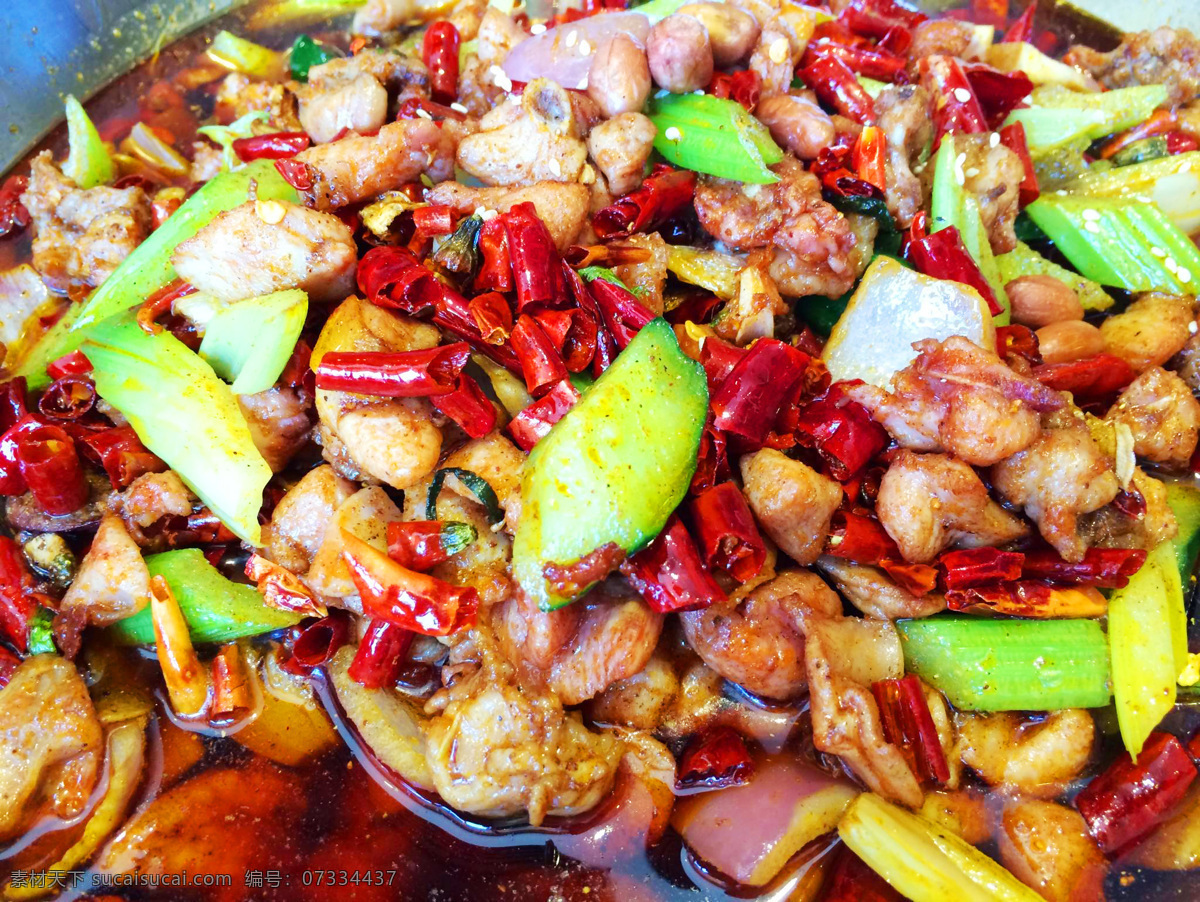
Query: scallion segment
(713, 135)
(240, 55)
(88, 163)
(1009, 665)
(249, 343)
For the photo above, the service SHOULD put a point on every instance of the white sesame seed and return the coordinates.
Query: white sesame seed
(1192, 327)
(661, 92)
(1158, 252)
(588, 175)
(994, 140)
(555, 167)
(478, 211)
(1184, 275)
(971, 173)
(270, 211)
(537, 28)
(488, 215)
(1091, 215)
(583, 83)
(1061, 192)
(500, 79)
(962, 95)
(959, 176)
(572, 38)
(1091, 227)
(778, 51)
(1171, 265)
(673, 134)
(458, 107)
(424, 114)
(584, 48)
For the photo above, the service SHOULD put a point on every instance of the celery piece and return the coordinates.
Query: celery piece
(1114, 241)
(233, 52)
(872, 87)
(183, 413)
(149, 267)
(657, 10)
(1143, 151)
(713, 135)
(1018, 56)
(88, 163)
(1009, 665)
(1145, 620)
(1184, 501)
(249, 343)
(1048, 129)
(1023, 260)
(1171, 182)
(225, 135)
(1058, 115)
(923, 860)
(216, 609)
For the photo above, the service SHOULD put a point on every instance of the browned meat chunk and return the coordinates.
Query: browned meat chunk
(903, 112)
(239, 95)
(1163, 416)
(1169, 56)
(280, 422)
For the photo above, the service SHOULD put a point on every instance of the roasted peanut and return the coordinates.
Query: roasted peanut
(1069, 339)
(731, 31)
(797, 123)
(619, 78)
(1041, 300)
(679, 54)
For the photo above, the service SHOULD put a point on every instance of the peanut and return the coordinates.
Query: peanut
(797, 123)
(1041, 300)
(680, 54)
(731, 31)
(1069, 339)
(619, 77)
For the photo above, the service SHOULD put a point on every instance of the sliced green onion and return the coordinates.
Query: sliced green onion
(922, 860)
(1124, 243)
(240, 55)
(1009, 665)
(713, 135)
(216, 610)
(225, 135)
(249, 343)
(1146, 624)
(476, 484)
(88, 163)
(186, 415)
(1023, 260)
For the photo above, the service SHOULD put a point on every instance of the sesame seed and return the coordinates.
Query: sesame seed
(962, 95)
(1061, 192)
(584, 48)
(994, 140)
(778, 51)
(270, 211)
(458, 107)
(588, 175)
(488, 215)
(673, 134)
(478, 211)
(424, 114)
(555, 167)
(1091, 215)
(959, 176)
(1171, 265)
(1091, 227)
(1192, 327)
(572, 38)
(1184, 275)
(539, 28)
(1158, 252)
(971, 173)
(500, 79)
(583, 83)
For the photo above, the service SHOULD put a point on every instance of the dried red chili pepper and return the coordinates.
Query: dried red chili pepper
(467, 406)
(719, 357)
(606, 346)
(712, 461)
(1027, 598)
(919, 579)
(980, 566)
(943, 256)
(580, 340)
(314, 645)
(908, 725)
(1105, 568)
(67, 398)
(13, 215)
(1022, 29)
(493, 316)
(73, 364)
(51, 469)
(17, 605)
(999, 93)
(282, 589)
(989, 12)
(296, 173)
(956, 108)
(573, 578)
(1092, 378)
(663, 194)
(439, 52)
(541, 363)
(8, 665)
(436, 219)
(726, 534)
(624, 315)
(859, 538)
(414, 601)
(13, 402)
(836, 85)
(1130, 502)
(159, 304)
(669, 574)
(716, 759)
(495, 270)
(393, 277)
(1180, 142)
(875, 18)
(872, 62)
(394, 374)
(842, 431)
(422, 544)
(279, 146)
(870, 157)
(750, 398)
(744, 86)
(121, 453)
(1018, 341)
(1129, 799)
(232, 696)
(453, 313)
(537, 273)
(852, 880)
(533, 423)
(380, 655)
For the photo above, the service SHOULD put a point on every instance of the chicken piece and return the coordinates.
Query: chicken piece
(238, 95)
(302, 516)
(280, 422)
(1165, 56)
(392, 440)
(562, 207)
(498, 461)
(903, 114)
(774, 56)
(1109, 527)
(994, 176)
(261, 247)
(207, 161)
(639, 702)
(928, 502)
(758, 642)
(351, 93)
(1056, 479)
(496, 749)
(1151, 330)
(797, 275)
(843, 657)
(477, 89)
(620, 148)
(961, 811)
(403, 75)
(151, 497)
(534, 139)
(378, 16)
(365, 515)
(962, 399)
(359, 167)
(792, 502)
(112, 584)
(651, 275)
(1048, 848)
(1163, 416)
(485, 564)
(51, 744)
(944, 37)
(582, 649)
(80, 237)
(1186, 364)
(1037, 755)
(876, 594)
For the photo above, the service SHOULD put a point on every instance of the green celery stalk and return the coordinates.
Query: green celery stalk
(1124, 243)
(149, 267)
(1184, 501)
(1171, 182)
(657, 10)
(88, 163)
(186, 415)
(1058, 115)
(241, 55)
(922, 860)
(249, 343)
(1145, 622)
(1025, 261)
(216, 609)
(225, 135)
(716, 136)
(872, 87)
(1009, 665)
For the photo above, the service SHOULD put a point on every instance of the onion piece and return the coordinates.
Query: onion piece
(749, 832)
(564, 54)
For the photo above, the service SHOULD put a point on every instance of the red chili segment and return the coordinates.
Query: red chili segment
(943, 256)
(664, 193)
(716, 759)
(315, 644)
(979, 567)
(836, 85)
(842, 431)
(421, 544)
(468, 406)
(73, 364)
(1105, 568)
(51, 468)
(670, 575)
(541, 363)
(296, 173)
(495, 270)
(121, 453)
(956, 108)
(535, 260)
(1094, 378)
(380, 655)
(439, 52)
(908, 725)
(744, 86)
(999, 93)
(13, 215)
(533, 423)
(279, 146)
(749, 400)
(17, 605)
(394, 374)
(727, 536)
